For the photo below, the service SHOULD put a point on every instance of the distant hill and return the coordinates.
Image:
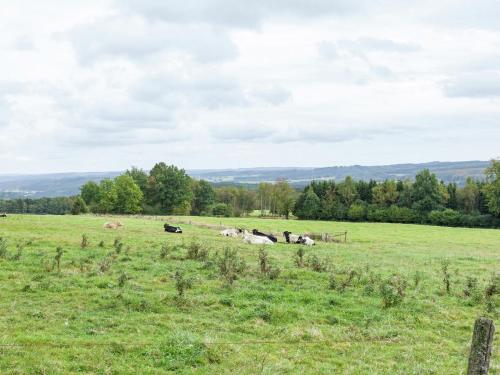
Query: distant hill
(65, 184)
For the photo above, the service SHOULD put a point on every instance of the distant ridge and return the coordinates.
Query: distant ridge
(65, 184)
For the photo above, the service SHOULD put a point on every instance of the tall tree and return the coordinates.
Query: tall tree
(308, 205)
(204, 197)
(467, 197)
(107, 196)
(140, 178)
(170, 188)
(285, 197)
(492, 188)
(426, 192)
(128, 195)
(90, 192)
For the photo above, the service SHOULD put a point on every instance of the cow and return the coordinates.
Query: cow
(305, 240)
(256, 240)
(255, 232)
(231, 232)
(112, 225)
(171, 229)
(3, 215)
(291, 238)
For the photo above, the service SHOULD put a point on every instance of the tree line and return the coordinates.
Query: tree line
(168, 190)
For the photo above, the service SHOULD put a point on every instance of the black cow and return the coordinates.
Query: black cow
(255, 232)
(171, 229)
(3, 215)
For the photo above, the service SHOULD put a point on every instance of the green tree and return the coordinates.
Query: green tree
(128, 195)
(90, 192)
(467, 197)
(79, 206)
(140, 178)
(285, 197)
(204, 197)
(308, 205)
(107, 196)
(347, 191)
(427, 193)
(385, 194)
(492, 188)
(170, 188)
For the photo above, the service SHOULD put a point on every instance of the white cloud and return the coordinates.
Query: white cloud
(286, 82)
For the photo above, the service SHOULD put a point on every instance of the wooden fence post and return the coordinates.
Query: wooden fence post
(481, 346)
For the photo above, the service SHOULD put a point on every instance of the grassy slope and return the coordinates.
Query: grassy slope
(80, 320)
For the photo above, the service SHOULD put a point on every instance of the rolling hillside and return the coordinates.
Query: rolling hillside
(65, 184)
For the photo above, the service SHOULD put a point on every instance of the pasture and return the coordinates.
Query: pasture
(117, 307)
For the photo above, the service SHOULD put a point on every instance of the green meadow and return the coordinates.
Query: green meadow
(394, 299)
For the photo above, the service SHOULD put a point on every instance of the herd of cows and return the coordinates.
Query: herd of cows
(259, 238)
(254, 238)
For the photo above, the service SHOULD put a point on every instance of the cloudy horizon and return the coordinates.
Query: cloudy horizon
(103, 85)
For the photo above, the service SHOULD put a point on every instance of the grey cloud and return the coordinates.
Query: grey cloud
(299, 134)
(474, 85)
(134, 39)
(212, 93)
(232, 13)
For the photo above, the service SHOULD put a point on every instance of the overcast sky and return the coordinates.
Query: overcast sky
(96, 85)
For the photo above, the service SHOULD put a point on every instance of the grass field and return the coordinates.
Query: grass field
(116, 310)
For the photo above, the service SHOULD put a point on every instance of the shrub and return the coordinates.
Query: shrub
(448, 217)
(222, 209)
(492, 289)
(357, 212)
(19, 252)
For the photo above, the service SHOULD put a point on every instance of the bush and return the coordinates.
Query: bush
(357, 212)
(222, 209)
(377, 214)
(448, 217)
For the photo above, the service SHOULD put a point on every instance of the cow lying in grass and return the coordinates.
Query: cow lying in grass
(171, 229)
(231, 232)
(255, 232)
(112, 225)
(256, 240)
(298, 239)
(3, 215)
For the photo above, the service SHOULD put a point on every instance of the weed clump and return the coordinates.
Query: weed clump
(196, 251)
(19, 252)
(118, 245)
(317, 264)
(230, 265)
(57, 258)
(446, 275)
(492, 289)
(392, 290)
(182, 284)
(3, 247)
(85, 241)
(299, 257)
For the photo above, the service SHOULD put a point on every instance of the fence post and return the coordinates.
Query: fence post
(481, 346)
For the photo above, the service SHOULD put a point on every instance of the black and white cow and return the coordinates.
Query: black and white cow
(3, 215)
(291, 238)
(171, 229)
(255, 232)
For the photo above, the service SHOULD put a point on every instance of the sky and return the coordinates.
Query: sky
(99, 85)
